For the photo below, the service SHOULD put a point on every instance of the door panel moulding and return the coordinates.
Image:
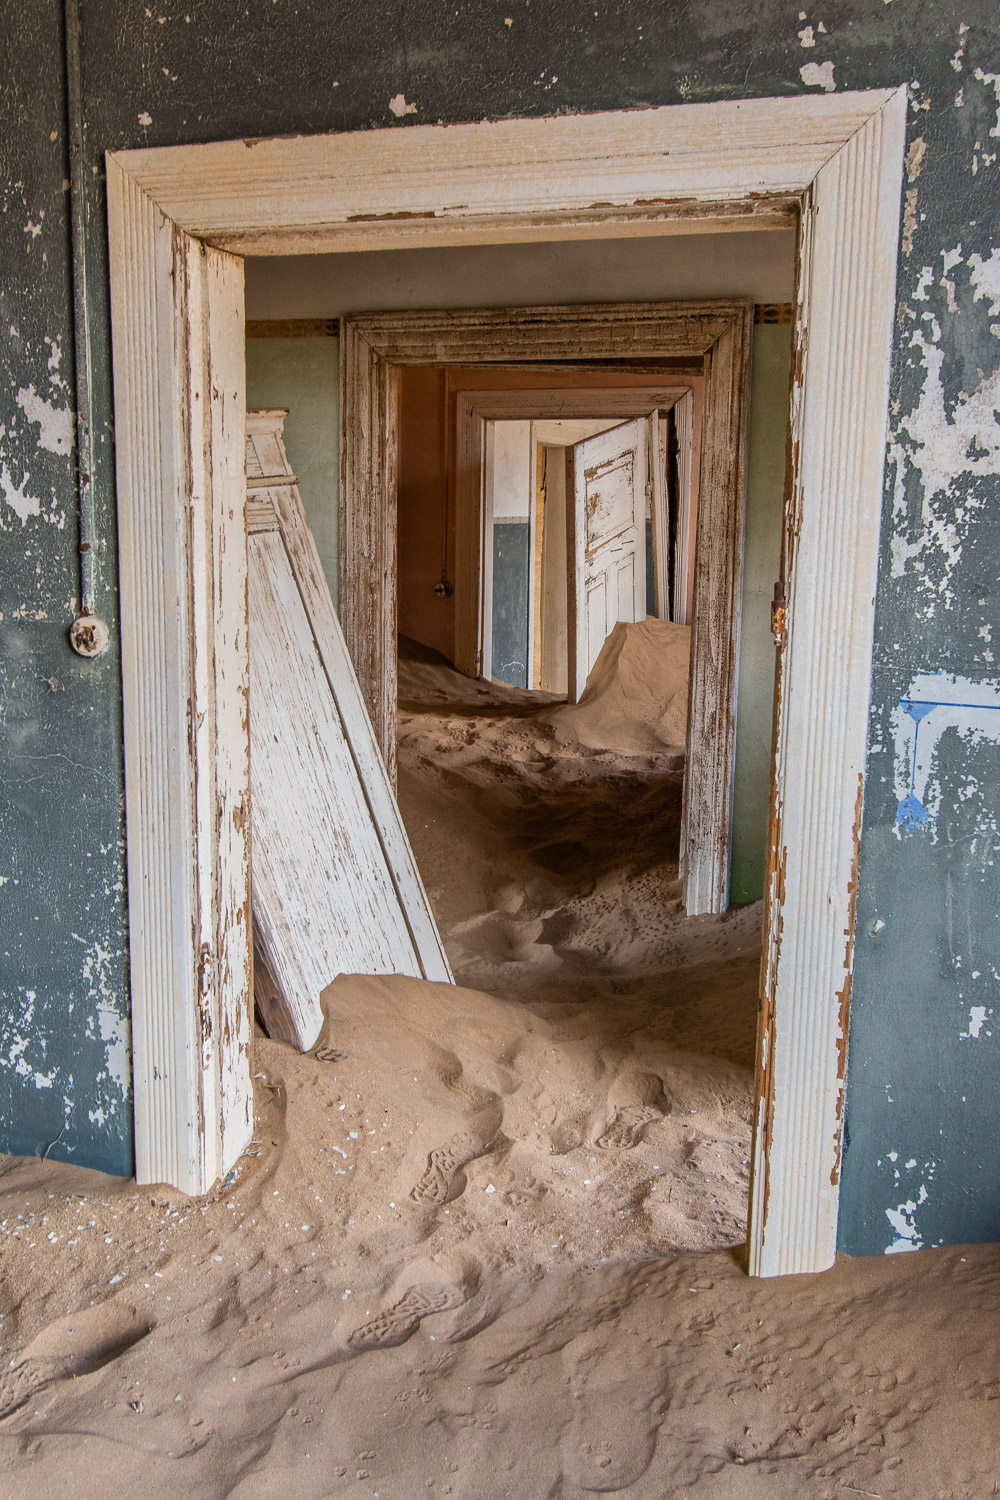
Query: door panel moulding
(836, 160)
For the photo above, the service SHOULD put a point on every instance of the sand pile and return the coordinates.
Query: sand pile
(635, 701)
(304, 1331)
(551, 864)
(457, 1259)
(552, 870)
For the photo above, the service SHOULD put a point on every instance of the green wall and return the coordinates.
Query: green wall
(304, 375)
(769, 375)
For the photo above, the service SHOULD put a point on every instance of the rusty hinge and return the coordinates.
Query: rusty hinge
(778, 614)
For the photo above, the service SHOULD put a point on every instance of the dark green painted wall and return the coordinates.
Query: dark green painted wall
(921, 1085)
(64, 1042)
(511, 567)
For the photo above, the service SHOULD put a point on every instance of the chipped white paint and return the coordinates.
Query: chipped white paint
(985, 277)
(903, 1217)
(957, 61)
(942, 442)
(21, 503)
(179, 453)
(55, 362)
(903, 1222)
(336, 889)
(977, 1020)
(55, 423)
(21, 1038)
(818, 75)
(991, 81)
(936, 702)
(849, 251)
(841, 159)
(145, 118)
(399, 106)
(113, 1027)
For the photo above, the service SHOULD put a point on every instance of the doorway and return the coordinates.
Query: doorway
(180, 220)
(547, 831)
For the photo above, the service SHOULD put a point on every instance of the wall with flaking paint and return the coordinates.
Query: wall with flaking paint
(923, 1154)
(64, 1032)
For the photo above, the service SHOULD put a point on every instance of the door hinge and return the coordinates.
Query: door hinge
(778, 614)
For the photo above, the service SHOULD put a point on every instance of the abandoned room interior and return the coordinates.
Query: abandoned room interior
(499, 940)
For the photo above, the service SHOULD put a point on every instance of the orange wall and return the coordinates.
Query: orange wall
(426, 520)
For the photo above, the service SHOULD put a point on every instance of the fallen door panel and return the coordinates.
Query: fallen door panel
(335, 887)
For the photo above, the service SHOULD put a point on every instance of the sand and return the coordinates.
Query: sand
(485, 1244)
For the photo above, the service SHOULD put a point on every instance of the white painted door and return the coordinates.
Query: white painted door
(606, 477)
(335, 886)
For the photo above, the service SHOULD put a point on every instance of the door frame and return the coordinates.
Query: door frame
(179, 219)
(376, 346)
(706, 819)
(473, 409)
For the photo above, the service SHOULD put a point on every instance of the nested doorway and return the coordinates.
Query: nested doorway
(180, 219)
(713, 338)
(547, 830)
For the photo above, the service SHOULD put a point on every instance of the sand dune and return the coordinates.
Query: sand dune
(485, 1242)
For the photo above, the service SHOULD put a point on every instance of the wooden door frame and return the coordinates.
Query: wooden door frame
(375, 347)
(179, 219)
(473, 409)
(711, 739)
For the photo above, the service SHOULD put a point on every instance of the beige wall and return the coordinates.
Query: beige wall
(757, 264)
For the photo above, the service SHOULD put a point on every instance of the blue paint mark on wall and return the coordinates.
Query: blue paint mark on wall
(956, 703)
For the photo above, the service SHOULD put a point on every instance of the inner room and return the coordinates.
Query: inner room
(598, 1103)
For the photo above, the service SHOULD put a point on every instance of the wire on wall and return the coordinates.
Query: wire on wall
(88, 634)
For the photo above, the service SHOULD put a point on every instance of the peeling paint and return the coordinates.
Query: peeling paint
(939, 442)
(21, 503)
(978, 1015)
(399, 106)
(992, 81)
(915, 158)
(55, 423)
(903, 1218)
(985, 277)
(818, 75)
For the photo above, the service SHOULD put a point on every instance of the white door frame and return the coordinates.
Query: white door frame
(713, 337)
(473, 410)
(706, 820)
(179, 218)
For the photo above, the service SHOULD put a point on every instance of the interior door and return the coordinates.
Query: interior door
(606, 479)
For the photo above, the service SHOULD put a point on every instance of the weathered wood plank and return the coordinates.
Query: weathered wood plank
(614, 172)
(335, 886)
(179, 401)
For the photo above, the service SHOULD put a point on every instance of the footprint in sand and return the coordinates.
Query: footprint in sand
(75, 1345)
(635, 1099)
(615, 1414)
(426, 1287)
(443, 1178)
